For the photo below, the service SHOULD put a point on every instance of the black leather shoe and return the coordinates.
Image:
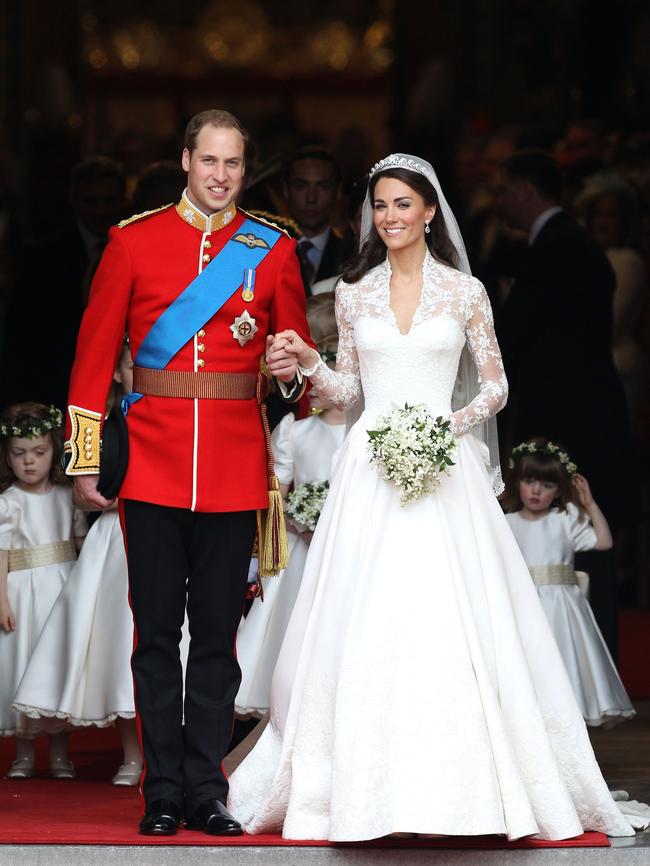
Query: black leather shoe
(161, 818)
(213, 818)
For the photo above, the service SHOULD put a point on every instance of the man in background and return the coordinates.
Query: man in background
(312, 189)
(555, 331)
(52, 286)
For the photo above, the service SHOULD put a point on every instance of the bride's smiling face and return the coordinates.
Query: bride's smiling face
(399, 213)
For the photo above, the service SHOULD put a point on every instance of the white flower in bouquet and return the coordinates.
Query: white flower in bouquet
(305, 503)
(412, 449)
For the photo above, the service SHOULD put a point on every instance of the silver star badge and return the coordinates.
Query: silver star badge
(243, 328)
(189, 215)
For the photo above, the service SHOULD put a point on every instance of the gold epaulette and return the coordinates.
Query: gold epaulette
(139, 216)
(84, 443)
(268, 219)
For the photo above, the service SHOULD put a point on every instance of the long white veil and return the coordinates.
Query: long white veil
(467, 381)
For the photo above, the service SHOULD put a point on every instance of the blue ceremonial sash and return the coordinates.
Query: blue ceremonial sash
(204, 297)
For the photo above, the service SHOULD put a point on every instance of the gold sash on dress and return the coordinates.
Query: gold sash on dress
(559, 575)
(42, 554)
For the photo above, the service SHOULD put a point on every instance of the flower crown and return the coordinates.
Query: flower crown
(29, 427)
(396, 161)
(549, 448)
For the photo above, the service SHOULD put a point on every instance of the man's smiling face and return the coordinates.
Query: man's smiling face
(215, 168)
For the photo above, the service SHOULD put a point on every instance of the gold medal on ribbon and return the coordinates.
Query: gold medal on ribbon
(248, 292)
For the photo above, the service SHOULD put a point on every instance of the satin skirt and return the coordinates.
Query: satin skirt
(261, 633)
(80, 671)
(419, 687)
(597, 686)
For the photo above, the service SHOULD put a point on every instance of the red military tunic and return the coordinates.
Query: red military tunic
(207, 454)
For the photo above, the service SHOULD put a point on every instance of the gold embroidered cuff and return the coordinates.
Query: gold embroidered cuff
(292, 391)
(84, 442)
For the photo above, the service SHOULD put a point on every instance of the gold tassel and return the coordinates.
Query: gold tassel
(274, 547)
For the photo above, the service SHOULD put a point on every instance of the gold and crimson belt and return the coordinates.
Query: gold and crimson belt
(195, 386)
(42, 554)
(213, 385)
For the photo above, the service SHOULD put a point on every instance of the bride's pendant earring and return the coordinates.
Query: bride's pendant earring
(427, 230)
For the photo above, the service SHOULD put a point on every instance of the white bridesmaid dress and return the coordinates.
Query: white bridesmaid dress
(419, 687)
(80, 671)
(303, 452)
(553, 540)
(28, 520)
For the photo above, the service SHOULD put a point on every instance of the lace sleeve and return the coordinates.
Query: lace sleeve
(343, 385)
(482, 342)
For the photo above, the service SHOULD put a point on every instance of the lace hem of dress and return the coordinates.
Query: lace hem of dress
(36, 713)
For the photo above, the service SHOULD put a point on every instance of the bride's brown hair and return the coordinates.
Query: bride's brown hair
(373, 251)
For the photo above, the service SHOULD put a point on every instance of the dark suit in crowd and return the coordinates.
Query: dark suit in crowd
(43, 318)
(555, 331)
(338, 249)
(52, 284)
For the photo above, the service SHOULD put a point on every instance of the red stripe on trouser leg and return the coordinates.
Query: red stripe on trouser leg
(138, 720)
(232, 724)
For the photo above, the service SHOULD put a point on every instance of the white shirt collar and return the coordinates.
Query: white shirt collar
(541, 221)
(320, 240)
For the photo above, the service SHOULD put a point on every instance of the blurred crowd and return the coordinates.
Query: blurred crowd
(606, 187)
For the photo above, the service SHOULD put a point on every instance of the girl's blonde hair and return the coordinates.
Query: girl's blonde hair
(25, 415)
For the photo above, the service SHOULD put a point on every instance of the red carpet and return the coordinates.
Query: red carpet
(90, 811)
(634, 651)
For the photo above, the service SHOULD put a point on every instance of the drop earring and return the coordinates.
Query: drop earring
(427, 230)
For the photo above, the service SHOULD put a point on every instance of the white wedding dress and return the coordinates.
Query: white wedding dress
(419, 687)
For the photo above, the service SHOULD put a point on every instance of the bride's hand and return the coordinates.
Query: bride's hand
(287, 344)
(281, 363)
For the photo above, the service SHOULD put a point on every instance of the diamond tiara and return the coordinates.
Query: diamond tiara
(410, 164)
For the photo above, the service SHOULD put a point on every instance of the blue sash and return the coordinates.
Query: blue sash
(204, 297)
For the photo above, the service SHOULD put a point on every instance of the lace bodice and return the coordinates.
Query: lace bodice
(389, 367)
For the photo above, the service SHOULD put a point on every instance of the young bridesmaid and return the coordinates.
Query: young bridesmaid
(40, 534)
(80, 673)
(303, 452)
(553, 516)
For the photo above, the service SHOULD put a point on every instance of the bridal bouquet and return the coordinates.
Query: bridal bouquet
(304, 504)
(412, 449)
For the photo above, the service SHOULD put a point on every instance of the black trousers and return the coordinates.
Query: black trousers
(178, 557)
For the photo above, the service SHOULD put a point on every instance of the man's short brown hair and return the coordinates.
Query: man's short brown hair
(214, 117)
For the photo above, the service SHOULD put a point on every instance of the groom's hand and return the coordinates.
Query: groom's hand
(281, 361)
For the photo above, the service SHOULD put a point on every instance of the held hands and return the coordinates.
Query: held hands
(584, 492)
(86, 495)
(285, 352)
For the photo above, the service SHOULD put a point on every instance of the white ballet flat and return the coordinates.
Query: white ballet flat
(128, 774)
(22, 768)
(61, 768)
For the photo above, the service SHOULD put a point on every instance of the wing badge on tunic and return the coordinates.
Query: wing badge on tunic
(251, 241)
